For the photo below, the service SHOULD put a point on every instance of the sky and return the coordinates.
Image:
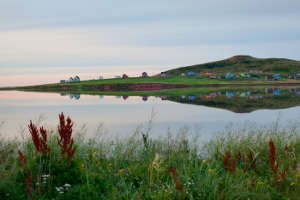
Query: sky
(45, 41)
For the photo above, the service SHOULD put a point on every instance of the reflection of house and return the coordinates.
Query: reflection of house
(229, 94)
(145, 98)
(182, 97)
(164, 98)
(75, 96)
(100, 96)
(192, 97)
(125, 97)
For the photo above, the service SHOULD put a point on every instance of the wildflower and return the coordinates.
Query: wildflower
(95, 150)
(204, 161)
(211, 171)
(121, 171)
(292, 183)
(260, 183)
(298, 173)
(110, 166)
(67, 185)
(82, 166)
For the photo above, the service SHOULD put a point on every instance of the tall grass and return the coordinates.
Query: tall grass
(239, 164)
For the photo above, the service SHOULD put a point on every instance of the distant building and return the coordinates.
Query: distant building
(269, 77)
(191, 73)
(276, 76)
(100, 78)
(62, 81)
(124, 76)
(163, 74)
(76, 79)
(213, 76)
(144, 74)
(71, 79)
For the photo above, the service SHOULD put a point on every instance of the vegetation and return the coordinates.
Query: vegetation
(238, 64)
(246, 163)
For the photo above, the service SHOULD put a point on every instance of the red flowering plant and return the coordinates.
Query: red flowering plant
(45, 168)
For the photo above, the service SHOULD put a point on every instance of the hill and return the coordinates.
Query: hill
(243, 63)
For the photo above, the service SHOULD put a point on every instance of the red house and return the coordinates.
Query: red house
(124, 76)
(144, 74)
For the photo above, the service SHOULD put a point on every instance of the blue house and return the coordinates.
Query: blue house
(276, 76)
(229, 75)
(191, 73)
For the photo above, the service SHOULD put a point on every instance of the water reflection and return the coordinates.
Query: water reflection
(238, 100)
(71, 96)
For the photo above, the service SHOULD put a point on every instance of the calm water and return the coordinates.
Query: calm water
(122, 115)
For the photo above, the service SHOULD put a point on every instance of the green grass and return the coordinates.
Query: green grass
(139, 167)
(239, 64)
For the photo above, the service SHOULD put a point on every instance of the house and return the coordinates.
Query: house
(244, 75)
(124, 76)
(276, 92)
(191, 73)
(269, 77)
(125, 97)
(163, 74)
(276, 76)
(229, 75)
(213, 76)
(71, 79)
(295, 75)
(144, 74)
(255, 71)
(100, 78)
(62, 81)
(76, 79)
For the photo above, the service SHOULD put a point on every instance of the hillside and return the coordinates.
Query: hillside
(243, 63)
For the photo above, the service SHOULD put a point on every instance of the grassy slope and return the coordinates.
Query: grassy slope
(243, 64)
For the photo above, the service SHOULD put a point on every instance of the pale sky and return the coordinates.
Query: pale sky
(44, 41)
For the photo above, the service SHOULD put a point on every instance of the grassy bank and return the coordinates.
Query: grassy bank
(248, 163)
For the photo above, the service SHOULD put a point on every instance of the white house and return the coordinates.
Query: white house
(76, 79)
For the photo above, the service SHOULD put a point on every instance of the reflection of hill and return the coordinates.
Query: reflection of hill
(243, 102)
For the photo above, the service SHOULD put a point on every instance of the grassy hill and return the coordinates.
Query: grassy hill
(243, 63)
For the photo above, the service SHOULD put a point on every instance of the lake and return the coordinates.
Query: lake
(206, 112)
